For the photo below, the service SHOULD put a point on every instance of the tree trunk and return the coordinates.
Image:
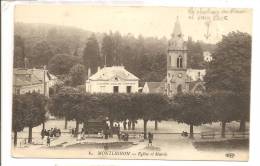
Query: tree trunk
(66, 123)
(133, 125)
(85, 127)
(191, 131)
(43, 125)
(15, 138)
(242, 126)
(76, 129)
(30, 135)
(145, 129)
(124, 125)
(155, 125)
(223, 129)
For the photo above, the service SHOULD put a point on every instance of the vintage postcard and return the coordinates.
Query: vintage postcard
(131, 82)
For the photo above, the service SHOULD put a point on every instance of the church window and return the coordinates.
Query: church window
(179, 62)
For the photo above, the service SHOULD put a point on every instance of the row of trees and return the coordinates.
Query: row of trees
(192, 109)
(29, 110)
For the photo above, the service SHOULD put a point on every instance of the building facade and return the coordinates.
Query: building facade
(115, 79)
(33, 80)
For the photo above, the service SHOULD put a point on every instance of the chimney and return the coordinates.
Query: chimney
(98, 68)
(89, 72)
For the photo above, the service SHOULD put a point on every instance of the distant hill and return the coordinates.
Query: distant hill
(62, 39)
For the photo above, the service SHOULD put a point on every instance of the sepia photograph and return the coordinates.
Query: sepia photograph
(131, 82)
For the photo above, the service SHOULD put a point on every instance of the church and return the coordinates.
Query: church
(179, 78)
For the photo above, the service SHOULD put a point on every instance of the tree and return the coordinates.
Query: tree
(77, 75)
(149, 107)
(112, 49)
(195, 55)
(114, 104)
(35, 111)
(91, 55)
(19, 51)
(107, 50)
(225, 108)
(62, 63)
(18, 115)
(42, 53)
(230, 69)
(193, 109)
(61, 105)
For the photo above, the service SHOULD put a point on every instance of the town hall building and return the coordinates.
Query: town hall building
(114, 79)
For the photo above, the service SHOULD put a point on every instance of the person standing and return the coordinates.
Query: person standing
(42, 133)
(150, 139)
(48, 141)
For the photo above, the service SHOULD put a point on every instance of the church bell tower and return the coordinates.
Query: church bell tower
(177, 80)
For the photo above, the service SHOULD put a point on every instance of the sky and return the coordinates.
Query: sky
(147, 21)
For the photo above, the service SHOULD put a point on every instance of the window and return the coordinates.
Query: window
(169, 63)
(128, 89)
(179, 62)
(115, 89)
(17, 91)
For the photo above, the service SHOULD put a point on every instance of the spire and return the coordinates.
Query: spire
(177, 29)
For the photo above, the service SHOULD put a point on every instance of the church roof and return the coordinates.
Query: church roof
(177, 28)
(156, 87)
(108, 73)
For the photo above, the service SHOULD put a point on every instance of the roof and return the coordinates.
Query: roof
(39, 74)
(108, 73)
(156, 87)
(177, 28)
(24, 77)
